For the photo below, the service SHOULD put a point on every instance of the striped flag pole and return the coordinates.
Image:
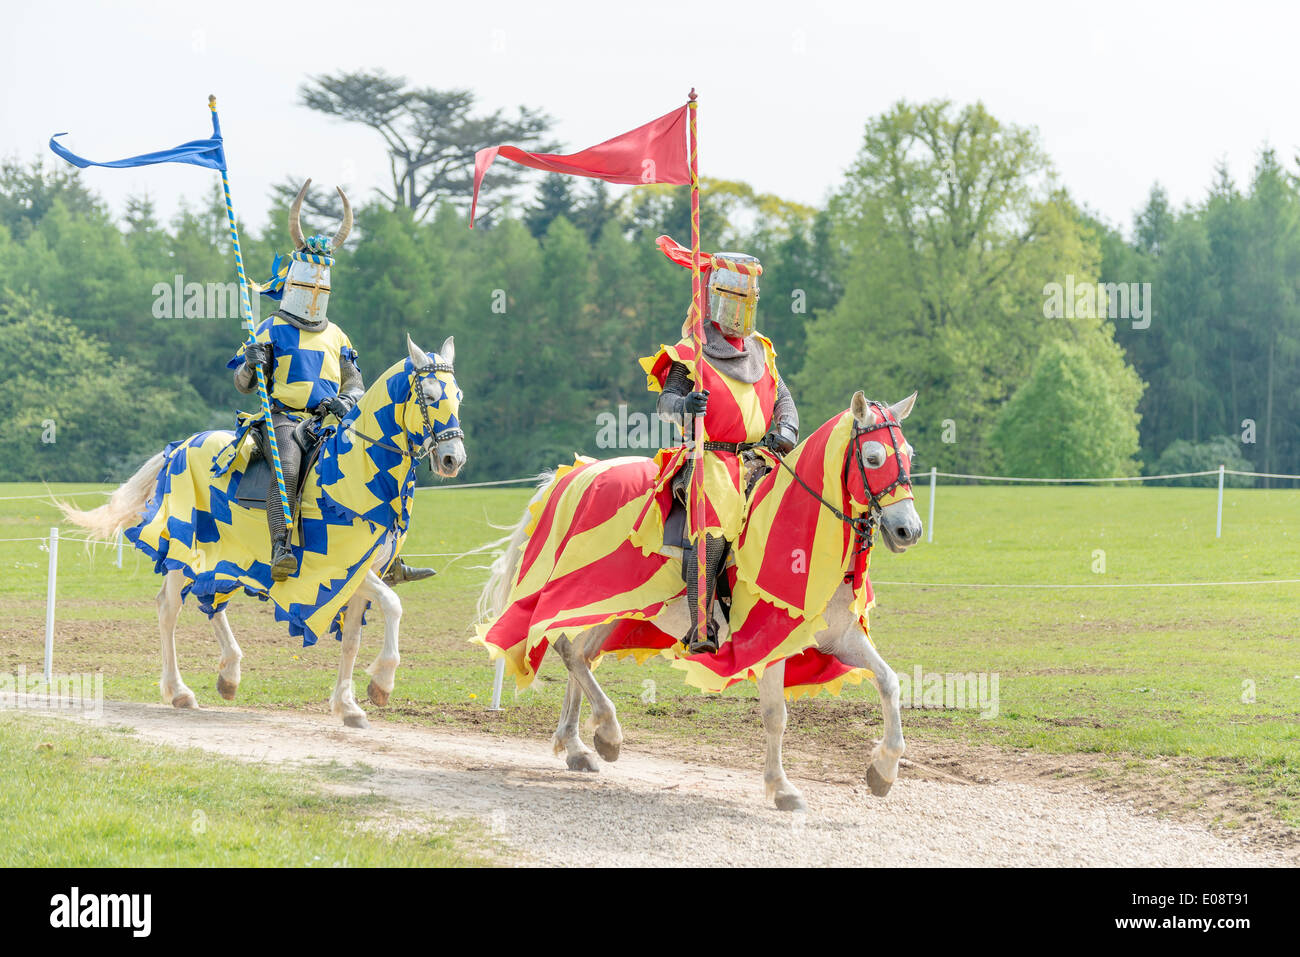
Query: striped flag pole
(246, 306)
(698, 513)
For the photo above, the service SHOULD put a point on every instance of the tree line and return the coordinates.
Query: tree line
(941, 263)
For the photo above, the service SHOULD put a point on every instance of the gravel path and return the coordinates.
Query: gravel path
(645, 810)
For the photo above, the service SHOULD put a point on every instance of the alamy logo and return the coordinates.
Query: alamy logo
(1098, 300)
(637, 430)
(199, 300)
(102, 910)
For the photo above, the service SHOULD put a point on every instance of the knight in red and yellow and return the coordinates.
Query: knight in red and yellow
(743, 400)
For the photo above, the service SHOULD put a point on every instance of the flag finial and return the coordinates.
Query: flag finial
(692, 96)
(212, 102)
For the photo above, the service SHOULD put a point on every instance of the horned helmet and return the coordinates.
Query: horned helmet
(733, 292)
(306, 286)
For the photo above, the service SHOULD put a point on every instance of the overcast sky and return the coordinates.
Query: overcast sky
(1123, 94)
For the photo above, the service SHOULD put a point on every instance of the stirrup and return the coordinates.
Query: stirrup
(401, 572)
(283, 562)
(706, 645)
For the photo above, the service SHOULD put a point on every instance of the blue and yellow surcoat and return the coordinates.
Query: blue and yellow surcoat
(307, 364)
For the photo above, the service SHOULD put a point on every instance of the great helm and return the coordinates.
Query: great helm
(307, 285)
(733, 292)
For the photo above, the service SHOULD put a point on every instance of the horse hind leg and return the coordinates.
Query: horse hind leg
(231, 655)
(174, 690)
(607, 736)
(343, 702)
(566, 739)
(771, 702)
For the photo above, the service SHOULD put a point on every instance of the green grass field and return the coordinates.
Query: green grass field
(70, 796)
(1200, 685)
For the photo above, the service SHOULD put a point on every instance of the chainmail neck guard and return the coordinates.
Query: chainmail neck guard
(305, 324)
(743, 366)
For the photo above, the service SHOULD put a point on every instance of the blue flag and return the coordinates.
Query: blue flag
(209, 153)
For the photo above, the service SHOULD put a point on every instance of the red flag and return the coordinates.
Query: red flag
(654, 153)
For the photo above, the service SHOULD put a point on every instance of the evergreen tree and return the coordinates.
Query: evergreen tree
(554, 199)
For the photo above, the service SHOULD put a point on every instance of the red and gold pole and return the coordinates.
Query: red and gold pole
(697, 513)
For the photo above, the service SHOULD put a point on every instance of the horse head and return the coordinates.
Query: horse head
(884, 467)
(438, 398)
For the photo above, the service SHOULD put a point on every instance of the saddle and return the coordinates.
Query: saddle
(258, 476)
(676, 530)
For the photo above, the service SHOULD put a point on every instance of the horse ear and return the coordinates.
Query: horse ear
(903, 409)
(448, 350)
(859, 408)
(419, 358)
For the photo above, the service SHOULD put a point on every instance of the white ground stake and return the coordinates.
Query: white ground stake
(49, 606)
(930, 527)
(497, 678)
(1218, 521)
(118, 563)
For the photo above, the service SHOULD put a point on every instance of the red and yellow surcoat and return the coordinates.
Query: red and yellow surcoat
(738, 412)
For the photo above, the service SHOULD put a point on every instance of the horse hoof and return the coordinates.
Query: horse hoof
(606, 749)
(879, 786)
(791, 801)
(582, 762)
(356, 721)
(226, 689)
(377, 695)
(185, 701)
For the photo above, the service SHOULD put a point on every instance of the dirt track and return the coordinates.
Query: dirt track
(645, 810)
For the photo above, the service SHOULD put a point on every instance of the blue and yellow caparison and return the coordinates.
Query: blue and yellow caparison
(359, 494)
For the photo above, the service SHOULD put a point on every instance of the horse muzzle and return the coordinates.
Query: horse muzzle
(900, 526)
(448, 458)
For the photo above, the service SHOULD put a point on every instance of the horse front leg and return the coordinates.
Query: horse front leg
(383, 670)
(174, 690)
(856, 650)
(771, 703)
(343, 702)
(231, 655)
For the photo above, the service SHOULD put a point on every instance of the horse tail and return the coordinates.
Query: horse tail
(495, 596)
(124, 507)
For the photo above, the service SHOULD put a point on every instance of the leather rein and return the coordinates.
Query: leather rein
(864, 526)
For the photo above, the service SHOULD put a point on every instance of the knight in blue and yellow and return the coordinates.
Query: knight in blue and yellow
(309, 362)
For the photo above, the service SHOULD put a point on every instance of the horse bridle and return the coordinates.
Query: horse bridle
(425, 449)
(864, 526)
(447, 434)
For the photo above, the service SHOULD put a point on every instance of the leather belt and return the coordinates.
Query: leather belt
(735, 448)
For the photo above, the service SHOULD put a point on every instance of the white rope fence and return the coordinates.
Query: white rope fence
(1261, 581)
(51, 543)
(16, 498)
(1221, 471)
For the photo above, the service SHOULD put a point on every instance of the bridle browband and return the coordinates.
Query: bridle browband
(425, 449)
(864, 526)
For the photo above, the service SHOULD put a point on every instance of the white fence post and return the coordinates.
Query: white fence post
(930, 527)
(49, 606)
(1218, 521)
(120, 536)
(497, 679)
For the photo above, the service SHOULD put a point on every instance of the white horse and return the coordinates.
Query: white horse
(842, 638)
(128, 504)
